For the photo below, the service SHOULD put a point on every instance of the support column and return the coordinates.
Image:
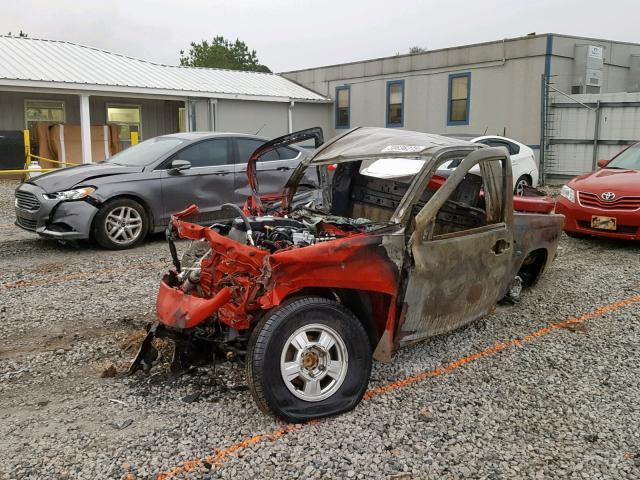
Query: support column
(187, 115)
(291, 105)
(213, 107)
(596, 137)
(85, 129)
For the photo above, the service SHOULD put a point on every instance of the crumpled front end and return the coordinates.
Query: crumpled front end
(178, 309)
(221, 281)
(235, 271)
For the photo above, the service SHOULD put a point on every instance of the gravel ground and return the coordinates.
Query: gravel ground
(565, 404)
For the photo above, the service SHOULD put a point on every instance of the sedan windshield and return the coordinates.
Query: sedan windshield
(146, 152)
(629, 159)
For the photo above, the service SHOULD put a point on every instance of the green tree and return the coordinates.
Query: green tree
(415, 50)
(222, 53)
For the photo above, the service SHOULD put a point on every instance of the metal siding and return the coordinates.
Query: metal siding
(12, 108)
(307, 115)
(267, 118)
(30, 59)
(202, 115)
(505, 99)
(619, 123)
(573, 159)
(159, 117)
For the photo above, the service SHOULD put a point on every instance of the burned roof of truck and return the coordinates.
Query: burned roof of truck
(372, 142)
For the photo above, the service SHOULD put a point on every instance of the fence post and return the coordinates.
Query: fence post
(596, 134)
(27, 148)
(543, 113)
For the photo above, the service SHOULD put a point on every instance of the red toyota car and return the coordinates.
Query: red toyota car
(605, 203)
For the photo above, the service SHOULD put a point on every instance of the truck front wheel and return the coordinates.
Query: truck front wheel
(308, 358)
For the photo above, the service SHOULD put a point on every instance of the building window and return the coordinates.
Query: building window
(127, 117)
(43, 111)
(343, 106)
(395, 103)
(459, 94)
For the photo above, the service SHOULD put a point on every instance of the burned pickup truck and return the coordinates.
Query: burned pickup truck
(387, 255)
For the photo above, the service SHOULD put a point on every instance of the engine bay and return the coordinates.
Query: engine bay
(275, 233)
(303, 228)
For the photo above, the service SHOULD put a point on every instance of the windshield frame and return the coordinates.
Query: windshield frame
(158, 158)
(622, 156)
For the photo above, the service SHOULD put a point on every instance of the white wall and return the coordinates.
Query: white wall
(505, 83)
(307, 115)
(270, 119)
(505, 87)
(504, 99)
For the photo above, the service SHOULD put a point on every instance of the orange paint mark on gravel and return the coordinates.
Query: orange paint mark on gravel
(219, 455)
(55, 280)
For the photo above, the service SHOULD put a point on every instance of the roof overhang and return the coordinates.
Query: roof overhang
(109, 90)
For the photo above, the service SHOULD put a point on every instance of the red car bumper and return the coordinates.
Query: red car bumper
(578, 220)
(180, 310)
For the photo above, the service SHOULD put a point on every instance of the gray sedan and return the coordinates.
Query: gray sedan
(119, 201)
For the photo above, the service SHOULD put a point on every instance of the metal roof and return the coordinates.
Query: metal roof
(30, 62)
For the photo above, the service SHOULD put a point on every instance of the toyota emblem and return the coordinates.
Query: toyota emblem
(608, 196)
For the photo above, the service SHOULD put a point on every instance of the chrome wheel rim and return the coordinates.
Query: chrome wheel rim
(314, 362)
(123, 225)
(520, 187)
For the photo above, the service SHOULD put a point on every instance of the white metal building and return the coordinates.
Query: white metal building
(62, 82)
(514, 87)
(494, 87)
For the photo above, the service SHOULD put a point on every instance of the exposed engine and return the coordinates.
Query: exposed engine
(271, 234)
(274, 233)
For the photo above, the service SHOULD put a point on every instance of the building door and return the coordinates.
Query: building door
(128, 118)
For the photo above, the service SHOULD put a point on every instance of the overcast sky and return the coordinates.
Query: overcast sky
(289, 35)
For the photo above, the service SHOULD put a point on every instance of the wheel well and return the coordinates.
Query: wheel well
(135, 198)
(371, 308)
(532, 266)
(526, 176)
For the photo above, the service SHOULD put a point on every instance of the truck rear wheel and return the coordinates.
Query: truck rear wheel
(308, 358)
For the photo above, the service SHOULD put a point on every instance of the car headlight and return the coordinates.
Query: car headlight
(568, 193)
(75, 194)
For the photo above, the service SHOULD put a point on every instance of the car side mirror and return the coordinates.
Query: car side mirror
(178, 165)
(603, 163)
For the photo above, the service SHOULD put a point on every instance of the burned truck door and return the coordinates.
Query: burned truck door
(462, 249)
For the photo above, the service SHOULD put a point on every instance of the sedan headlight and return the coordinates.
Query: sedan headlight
(568, 193)
(75, 194)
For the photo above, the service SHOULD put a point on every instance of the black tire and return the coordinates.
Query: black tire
(522, 180)
(265, 351)
(100, 232)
